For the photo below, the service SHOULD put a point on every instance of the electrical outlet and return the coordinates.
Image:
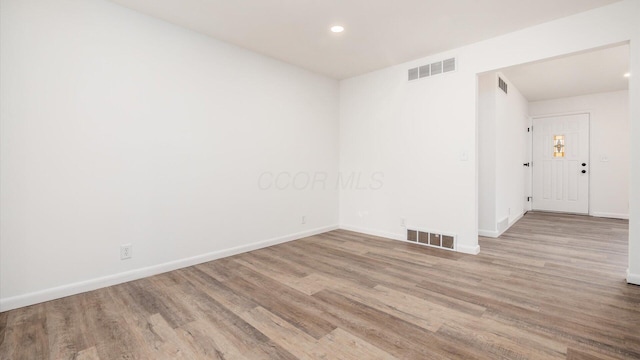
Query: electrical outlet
(125, 251)
(304, 220)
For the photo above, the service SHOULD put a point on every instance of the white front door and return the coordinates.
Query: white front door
(561, 164)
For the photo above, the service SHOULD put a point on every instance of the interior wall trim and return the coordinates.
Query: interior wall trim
(36, 297)
(474, 250)
(633, 278)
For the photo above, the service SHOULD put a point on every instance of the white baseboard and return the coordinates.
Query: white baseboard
(496, 233)
(466, 249)
(489, 233)
(18, 301)
(474, 250)
(610, 215)
(633, 278)
(373, 232)
(515, 220)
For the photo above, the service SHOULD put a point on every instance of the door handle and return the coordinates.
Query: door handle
(526, 164)
(584, 164)
(584, 171)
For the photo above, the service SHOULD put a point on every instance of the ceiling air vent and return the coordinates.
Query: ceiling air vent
(432, 69)
(502, 85)
(413, 74)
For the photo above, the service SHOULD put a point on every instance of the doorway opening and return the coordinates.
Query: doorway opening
(553, 136)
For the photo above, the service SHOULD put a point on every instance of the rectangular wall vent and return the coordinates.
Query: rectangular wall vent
(432, 69)
(436, 68)
(449, 65)
(502, 85)
(432, 238)
(413, 74)
(424, 71)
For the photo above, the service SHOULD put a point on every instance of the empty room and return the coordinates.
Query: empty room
(285, 179)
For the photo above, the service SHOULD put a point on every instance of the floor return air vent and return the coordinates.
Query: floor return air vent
(431, 238)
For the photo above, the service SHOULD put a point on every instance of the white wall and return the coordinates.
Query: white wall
(416, 132)
(609, 147)
(511, 139)
(401, 130)
(502, 139)
(487, 224)
(119, 128)
(633, 274)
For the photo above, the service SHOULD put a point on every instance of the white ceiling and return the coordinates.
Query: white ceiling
(581, 74)
(379, 33)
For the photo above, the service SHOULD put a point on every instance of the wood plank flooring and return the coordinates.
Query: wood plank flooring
(552, 287)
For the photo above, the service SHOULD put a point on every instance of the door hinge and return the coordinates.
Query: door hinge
(528, 129)
(529, 198)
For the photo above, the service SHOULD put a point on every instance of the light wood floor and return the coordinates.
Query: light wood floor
(547, 289)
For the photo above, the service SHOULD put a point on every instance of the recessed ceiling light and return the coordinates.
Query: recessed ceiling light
(337, 29)
(627, 75)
